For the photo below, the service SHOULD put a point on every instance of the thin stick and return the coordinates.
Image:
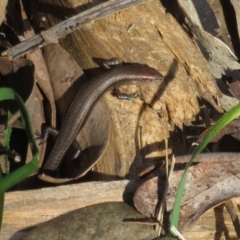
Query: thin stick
(63, 28)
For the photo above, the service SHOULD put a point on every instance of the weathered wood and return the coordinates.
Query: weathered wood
(24, 209)
(144, 34)
(62, 29)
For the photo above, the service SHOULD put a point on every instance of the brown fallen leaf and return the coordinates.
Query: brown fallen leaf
(234, 88)
(231, 128)
(208, 184)
(11, 66)
(93, 138)
(101, 221)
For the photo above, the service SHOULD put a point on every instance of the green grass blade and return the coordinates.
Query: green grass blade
(21, 173)
(7, 141)
(1, 208)
(5, 144)
(10, 94)
(221, 123)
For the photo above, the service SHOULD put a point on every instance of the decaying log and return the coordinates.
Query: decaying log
(146, 34)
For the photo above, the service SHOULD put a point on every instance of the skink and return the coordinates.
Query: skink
(87, 96)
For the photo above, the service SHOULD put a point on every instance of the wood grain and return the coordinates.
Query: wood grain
(24, 209)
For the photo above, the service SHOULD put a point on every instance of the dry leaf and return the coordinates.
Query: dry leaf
(208, 184)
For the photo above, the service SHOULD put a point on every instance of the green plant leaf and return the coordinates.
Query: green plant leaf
(221, 123)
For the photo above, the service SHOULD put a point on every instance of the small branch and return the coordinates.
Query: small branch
(62, 29)
(234, 217)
